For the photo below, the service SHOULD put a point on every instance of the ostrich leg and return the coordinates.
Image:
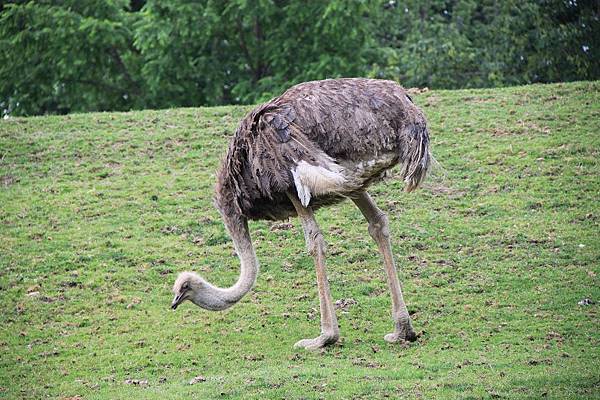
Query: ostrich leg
(330, 331)
(379, 231)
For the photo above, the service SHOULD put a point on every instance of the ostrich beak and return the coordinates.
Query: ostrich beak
(177, 300)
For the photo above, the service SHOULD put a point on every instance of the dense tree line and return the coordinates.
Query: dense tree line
(60, 56)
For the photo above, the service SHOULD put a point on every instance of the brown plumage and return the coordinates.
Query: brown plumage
(350, 120)
(316, 144)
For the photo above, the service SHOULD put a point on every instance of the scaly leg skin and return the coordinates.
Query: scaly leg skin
(379, 231)
(330, 331)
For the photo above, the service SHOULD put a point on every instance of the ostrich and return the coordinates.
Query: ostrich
(315, 145)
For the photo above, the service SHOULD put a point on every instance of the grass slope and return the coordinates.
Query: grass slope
(100, 211)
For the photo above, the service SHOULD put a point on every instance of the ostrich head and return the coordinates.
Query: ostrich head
(191, 286)
(184, 288)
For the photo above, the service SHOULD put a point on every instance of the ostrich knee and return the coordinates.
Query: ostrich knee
(315, 243)
(379, 227)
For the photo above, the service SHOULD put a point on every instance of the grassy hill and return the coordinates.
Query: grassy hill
(100, 211)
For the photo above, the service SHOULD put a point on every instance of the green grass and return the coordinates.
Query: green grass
(100, 211)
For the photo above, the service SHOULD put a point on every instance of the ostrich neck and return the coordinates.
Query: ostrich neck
(221, 298)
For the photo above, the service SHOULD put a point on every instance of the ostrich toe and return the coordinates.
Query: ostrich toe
(318, 342)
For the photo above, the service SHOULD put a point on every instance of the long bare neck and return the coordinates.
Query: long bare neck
(248, 261)
(215, 298)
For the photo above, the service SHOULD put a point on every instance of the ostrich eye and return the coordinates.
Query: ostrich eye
(185, 286)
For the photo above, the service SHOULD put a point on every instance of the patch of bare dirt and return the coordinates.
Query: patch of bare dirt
(501, 132)
(113, 165)
(363, 362)
(8, 180)
(431, 101)
(474, 99)
(137, 382)
(344, 304)
(417, 90)
(197, 379)
(522, 128)
(439, 189)
(281, 226)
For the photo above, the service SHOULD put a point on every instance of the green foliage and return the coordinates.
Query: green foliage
(468, 43)
(67, 56)
(217, 52)
(100, 211)
(75, 56)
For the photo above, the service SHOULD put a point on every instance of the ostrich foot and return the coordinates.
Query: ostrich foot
(318, 342)
(406, 334)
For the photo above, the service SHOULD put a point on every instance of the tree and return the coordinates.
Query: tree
(76, 56)
(243, 51)
(62, 56)
(468, 43)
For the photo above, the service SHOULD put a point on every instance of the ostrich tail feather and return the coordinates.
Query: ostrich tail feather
(417, 157)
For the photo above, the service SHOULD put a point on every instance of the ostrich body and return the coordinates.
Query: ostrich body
(315, 145)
